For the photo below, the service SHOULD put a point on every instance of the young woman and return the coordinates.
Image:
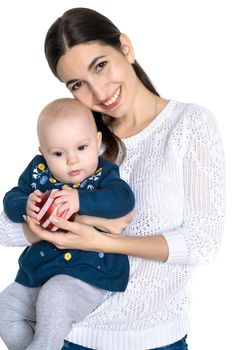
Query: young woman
(171, 155)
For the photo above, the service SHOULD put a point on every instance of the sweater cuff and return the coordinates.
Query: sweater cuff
(16, 231)
(178, 252)
(11, 233)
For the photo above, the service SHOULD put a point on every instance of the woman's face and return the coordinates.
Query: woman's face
(101, 77)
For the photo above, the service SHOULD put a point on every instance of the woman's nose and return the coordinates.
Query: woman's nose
(99, 92)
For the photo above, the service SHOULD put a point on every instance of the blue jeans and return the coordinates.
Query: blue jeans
(179, 345)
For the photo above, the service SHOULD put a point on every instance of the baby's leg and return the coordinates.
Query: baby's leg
(62, 301)
(17, 315)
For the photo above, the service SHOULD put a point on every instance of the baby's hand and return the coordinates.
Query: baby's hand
(32, 209)
(68, 199)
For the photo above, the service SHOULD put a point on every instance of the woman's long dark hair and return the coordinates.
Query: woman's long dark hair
(82, 25)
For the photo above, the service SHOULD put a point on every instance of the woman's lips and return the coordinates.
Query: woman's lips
(113, 101)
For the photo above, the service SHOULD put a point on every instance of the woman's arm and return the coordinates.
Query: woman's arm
(143, 247)
(113, 226)
(149, 247)
(85, 237)
(199, 238)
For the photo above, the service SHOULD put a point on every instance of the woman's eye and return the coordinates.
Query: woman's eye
(77, 85)
(57, 154)
(101, 65)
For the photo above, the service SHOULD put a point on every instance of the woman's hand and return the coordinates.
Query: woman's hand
(85, 237)
(30, 236)
(77, 235)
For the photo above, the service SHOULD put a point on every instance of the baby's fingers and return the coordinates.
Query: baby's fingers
(63, 207)
(38, 193)
(68, 214)
(59, 193)
(33, 207)
(34, 198)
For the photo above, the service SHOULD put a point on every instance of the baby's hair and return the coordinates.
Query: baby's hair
(109, 140)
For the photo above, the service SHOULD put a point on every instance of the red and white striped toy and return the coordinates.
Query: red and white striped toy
(48, 208)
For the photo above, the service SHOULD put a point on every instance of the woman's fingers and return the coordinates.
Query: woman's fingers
(57, 238)
(76, 235)
(62, 223)
(37, 229)
(34, 217)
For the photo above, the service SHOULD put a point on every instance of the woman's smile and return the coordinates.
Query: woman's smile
(113, 101)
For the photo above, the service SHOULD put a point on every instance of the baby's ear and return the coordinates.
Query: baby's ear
(99, 138)
(99, 142)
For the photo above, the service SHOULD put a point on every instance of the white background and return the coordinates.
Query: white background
(186, 49)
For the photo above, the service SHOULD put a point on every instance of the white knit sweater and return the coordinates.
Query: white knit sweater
(176, 169)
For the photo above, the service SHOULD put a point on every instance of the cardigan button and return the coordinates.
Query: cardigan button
(67, 256)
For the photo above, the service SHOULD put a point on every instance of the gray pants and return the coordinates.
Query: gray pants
(40, 318)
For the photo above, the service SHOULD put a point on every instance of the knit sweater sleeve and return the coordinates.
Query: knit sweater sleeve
(11, 233)
(199, 237)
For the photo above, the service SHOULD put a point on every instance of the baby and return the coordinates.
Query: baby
(57, 287)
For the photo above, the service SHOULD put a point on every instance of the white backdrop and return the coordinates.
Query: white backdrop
(186, 48)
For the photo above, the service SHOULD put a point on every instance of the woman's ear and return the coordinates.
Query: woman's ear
(127, 48)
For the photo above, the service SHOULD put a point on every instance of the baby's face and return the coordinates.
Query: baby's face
(70, 145)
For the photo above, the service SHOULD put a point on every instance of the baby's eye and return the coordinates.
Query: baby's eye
(82, 147)
(101, 65)
(58, 154)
